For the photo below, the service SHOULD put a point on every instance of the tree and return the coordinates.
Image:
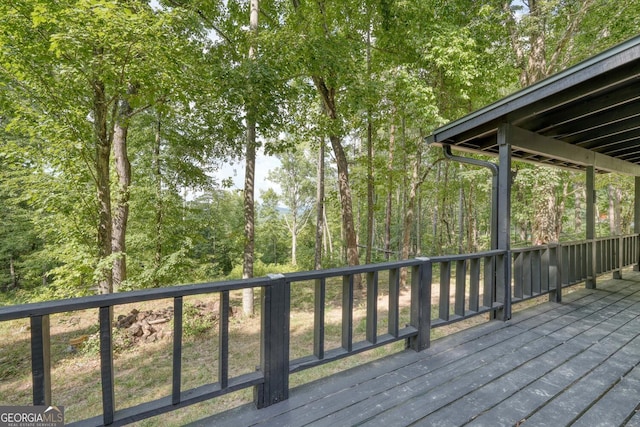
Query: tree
(327, 58)
(295, 177)
(19, 243)
(320, 224)
(271, 241)
(250, 172)
(79, 73)
(547, 36)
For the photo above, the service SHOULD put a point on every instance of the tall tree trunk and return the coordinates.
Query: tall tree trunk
(327, 236)
(472, 225)
(249, 216)
(580, 196)
(249, 177)
(157, 171)
(561, 206)
(370, 192)
(417, 179)
(370, 181)
(409, 211)
(444, 235)
(614, 210)
(543, 221)
(389, 208)
(346, 201)
(103, 185)
(12, 273)
(294, 235)
(123, 171)
(319, 205)
(436, 212)
(461, 220)
(418, 221)
(537, 63)
(328, 99)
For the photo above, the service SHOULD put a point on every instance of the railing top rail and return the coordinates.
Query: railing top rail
(96, 301)
(462, 257)
(616, 236)
(534, 248)
(572, 242)
(367, 268)
(300, 276)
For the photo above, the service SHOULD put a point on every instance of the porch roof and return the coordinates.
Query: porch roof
(587, 115)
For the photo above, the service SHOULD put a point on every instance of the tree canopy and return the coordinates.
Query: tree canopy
(115, 116)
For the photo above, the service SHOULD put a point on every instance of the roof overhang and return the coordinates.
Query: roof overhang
(587, 115)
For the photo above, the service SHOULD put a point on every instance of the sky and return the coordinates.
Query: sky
(235, 171)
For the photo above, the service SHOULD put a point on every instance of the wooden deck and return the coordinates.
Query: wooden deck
(574, 363)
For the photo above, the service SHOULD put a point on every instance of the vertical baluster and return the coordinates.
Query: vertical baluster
(320, 290)
(617, 272)
(527, 287)
(474, 284)
(545, 286)
(518, 275)
(572, 264)
(223, 341)
(503, 286)
(41, 359)
(555, 273)
(421, 276)
(394, 301)
(536, 266)
(177, 350)
(461, 279)
(584, 257)
(489, 291)
(566, 265)
(445, 290)
(372, 307)
(106, 365)
(347, 312)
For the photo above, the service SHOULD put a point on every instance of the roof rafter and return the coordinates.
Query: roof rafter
(537, 144)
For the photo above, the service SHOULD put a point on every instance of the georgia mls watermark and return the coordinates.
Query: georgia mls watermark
(31, 416)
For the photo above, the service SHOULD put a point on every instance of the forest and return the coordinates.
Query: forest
(118, 116)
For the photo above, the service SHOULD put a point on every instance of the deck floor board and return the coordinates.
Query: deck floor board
(573, 363)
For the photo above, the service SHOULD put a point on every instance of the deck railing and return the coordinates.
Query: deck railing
(547, 269)
(441, 290)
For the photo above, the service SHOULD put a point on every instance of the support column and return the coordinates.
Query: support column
(503, 267)
(275, 301)
(636, 222)
(591, 228)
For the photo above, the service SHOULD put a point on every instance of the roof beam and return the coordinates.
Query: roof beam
(534, 143)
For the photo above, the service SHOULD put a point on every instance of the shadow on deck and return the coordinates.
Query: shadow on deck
(574, 363)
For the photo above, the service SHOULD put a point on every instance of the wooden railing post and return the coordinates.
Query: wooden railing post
(106, 364)
(555, 273)
(636, 224)
(503, 286)
(593, 247)
(41, 360)
(619, 258)
(274, 343)
(421, 304)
